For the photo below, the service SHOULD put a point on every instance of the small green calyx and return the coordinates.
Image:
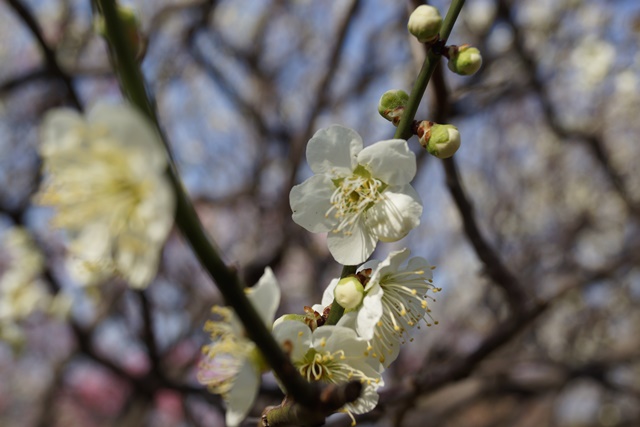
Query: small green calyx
(441, 141)
(464, 60)
(424, 23)
(392, 105)
(349, 292)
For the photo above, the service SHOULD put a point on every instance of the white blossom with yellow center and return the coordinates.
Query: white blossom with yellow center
(106, 179)
(232, 364)
(358, 196)
(331, 354)
(395, 301)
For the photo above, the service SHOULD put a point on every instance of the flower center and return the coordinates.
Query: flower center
(316, 366)
(404, 305)
(223, 358)
(330, 368)
(352, 197)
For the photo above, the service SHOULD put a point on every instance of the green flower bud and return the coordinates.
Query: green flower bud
(424, 23)
(464, 60)
(349, 292)
(392, 105)
(441, 141)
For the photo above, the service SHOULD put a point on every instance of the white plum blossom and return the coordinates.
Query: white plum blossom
(395, 300)
(22, 290)
(358, 195)
(231, 364)
(332, 354)
(105, 176)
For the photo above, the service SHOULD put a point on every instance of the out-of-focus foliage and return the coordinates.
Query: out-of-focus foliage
(550, 134)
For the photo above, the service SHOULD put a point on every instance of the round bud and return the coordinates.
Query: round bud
(464, 60)
(441, 141)
(424, 23)
(349, 292)
(392, 105)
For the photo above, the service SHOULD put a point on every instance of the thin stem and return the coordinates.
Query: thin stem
(404, 127)
(187, 220)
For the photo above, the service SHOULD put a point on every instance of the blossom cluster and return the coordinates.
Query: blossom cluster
(359, 196)
(359, 347)
(105, 174)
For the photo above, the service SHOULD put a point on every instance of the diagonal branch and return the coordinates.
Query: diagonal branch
(187, 219)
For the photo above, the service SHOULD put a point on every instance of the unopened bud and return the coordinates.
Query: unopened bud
(130, 24)
(464, 60)
(441, 141)
(425, 23)
(392, 105)
(349, 292)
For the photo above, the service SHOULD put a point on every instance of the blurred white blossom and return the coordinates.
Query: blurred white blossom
(106, 179)
(592, 59)
(22, 291)
(232, 364)
(358, 195)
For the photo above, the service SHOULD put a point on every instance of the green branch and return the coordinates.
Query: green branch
(227, 279)
(404, 127)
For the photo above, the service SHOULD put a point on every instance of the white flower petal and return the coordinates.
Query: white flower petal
(348, 320)
(265, 296)
(371, 264)
(310, 202)
(127, 126)
(398, 213)
(333, 338)
(139, 269)
(390, 264)
(370, 312)
(390, 354)
(333, 151)
(240, 398)
(366, 402)
(420, 264)
(293, 336)
(327, 296)
(62, 130)
(354, 248)
(391, 161)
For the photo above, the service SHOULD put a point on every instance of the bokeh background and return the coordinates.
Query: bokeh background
(533, 226)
